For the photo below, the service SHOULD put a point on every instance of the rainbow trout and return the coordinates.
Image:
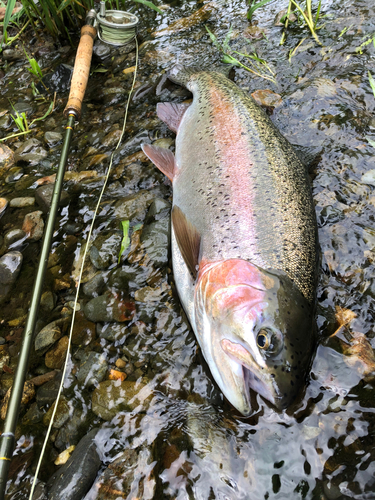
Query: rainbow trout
(244, 239)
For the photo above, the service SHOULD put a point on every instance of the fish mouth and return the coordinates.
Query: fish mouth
(255, 375)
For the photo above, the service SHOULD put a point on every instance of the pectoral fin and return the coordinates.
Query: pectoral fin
(161, 158)
(171, 113)
(188, 239)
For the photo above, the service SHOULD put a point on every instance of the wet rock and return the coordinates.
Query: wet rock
(127, 278)
(112, 396)
(3, 205)
(164, 142)
(156, 240)
(111, 139)
(369, 178)
(33, 415)
(56, 356)
(23, 107)
(116, 375)
(254, 32)
(121, 363)
(52, 138)
(12, 55)
(101, 50)
(109, 308)
(6, 156)
(47, 393)
(47, 301)
(133, 206)
(95, 286)
(33, 225)
(43, 196)
(112, 331)
(26, 201)
(27, 395)
(48, 336)
(267, 98)
(200, 16)
(14, 174)
(31, 151)
(58, 81)
(105, 249)
(92, 369)
(64, 455)
(45, 377)
(281, 14)
(5, 122)
(149, 294)
(10, 266)
(14, 238)
(70, 433)
(83, 330)
(75, 478)
(62, 414)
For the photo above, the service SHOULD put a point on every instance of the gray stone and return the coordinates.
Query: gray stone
(110, 397)
(5, 122)
(10, 266)
(52, 138)
(127, 278)
(43, 196)
(105, 249)
(95, 286)
(47, 301)
(14, 174)
(31, 151)
(92, 369)
(23, 107)
(26, 201)
(3, 205)
(134, 206)
(14, 238)
(101, 50)
(70, 433)
(47, 337)
(159, 209)
(75, 478)
(6, 156)
(12, 55)
(33, 415)
(46, 394)
(156, 241)
(112, 331)
(2, 341)
(108, 307)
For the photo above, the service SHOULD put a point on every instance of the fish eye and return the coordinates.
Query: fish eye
(263, 339)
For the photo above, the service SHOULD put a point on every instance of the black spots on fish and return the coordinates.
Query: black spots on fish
(273, 375)
(291, 383)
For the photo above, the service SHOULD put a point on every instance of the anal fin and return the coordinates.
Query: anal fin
(161, 158)
(188, 239)
(171, 113)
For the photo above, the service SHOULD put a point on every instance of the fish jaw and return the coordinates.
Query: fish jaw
(234, 303)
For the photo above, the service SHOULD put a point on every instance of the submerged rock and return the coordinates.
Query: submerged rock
(43, 196)
(33, 225)
(3, 205)
(52, 138)
(75, 478)
(31, 151)
(6, 156)
(56, 356)
(47, 337)
(26, 201)
(113, 396)
(14, 238)
(92, 369)
(108, 307)
(105, 250)
(10, 266)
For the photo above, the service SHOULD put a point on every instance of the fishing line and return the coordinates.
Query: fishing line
(80, 278)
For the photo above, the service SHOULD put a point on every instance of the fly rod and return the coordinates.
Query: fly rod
(72, 112)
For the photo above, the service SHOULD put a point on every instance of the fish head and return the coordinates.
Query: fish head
(256, 331)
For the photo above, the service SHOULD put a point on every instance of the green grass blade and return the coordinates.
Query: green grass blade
(317, 13)
(8, 15)
(150, 5)
(372, 82)
(45, 115)
(254, 7)
(125, 240)
(213, 39)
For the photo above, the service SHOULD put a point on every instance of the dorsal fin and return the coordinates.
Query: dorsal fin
(188, 239)
(171, 113)
(161, 158)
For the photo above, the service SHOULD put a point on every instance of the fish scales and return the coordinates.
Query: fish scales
(242, 185)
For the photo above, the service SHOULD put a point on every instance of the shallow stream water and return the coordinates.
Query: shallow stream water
(165, 431)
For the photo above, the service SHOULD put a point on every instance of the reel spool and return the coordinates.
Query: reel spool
(116, 27)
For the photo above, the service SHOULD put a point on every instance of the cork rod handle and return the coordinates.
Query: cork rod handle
(81, 71)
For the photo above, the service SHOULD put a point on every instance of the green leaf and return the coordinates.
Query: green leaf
(19, 122)
(372, 82)
(370, 141)
(137, 227)
(254, 7)
(213, 39)
(125, 240)
(227, 38)
(150, 4)
(8, 15)
(227, 59)
(45, 115)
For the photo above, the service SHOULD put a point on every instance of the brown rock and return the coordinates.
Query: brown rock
(33, 225)
(112, 138)
(83, 330)
(55, 357)
(6, 156)
(3, 204)
(267, 98)
(199, 16)
(28, 394)
(42, 379)
(254, 32)
(120, 363)
(61, 416)
(117, 375)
